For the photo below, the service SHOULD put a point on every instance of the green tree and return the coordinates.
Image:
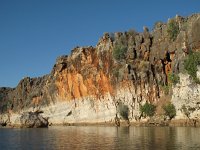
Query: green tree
(191, 63)
(148, 109)
(173, 29)
(120, 47)
(170, 110)
(119, 52)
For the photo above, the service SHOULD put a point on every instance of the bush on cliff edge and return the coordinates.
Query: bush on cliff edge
(173, 29)
(120, 48)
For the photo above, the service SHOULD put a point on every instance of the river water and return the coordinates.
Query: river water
(98, 137)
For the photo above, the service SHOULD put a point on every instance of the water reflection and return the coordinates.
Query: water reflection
(137, 138)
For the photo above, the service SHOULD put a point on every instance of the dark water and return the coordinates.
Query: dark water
(135, 138)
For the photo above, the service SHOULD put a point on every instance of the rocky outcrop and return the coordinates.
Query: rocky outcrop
(33, 120)
(124, 69)
(186, 98)
(3, 123)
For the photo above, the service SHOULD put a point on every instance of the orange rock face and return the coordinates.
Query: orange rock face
(142, 69)
(73, 84)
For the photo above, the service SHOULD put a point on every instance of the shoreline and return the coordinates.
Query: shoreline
(172, 123)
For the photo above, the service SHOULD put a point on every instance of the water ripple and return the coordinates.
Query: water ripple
(98, 138)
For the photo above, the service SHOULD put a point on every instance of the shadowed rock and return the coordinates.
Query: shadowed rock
(33, 120)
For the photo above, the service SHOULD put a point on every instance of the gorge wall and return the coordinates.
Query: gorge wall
(122, 72)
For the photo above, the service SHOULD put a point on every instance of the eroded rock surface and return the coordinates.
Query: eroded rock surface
(33, 120)
(90, 83)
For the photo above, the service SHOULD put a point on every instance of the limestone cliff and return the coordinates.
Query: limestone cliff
(124, 70)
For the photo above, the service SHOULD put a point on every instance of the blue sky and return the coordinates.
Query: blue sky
(33, 33)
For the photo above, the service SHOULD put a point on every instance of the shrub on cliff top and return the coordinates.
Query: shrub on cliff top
(191, 63)
(172, 29)
(148, 109)
(170, 110)
(120, 48)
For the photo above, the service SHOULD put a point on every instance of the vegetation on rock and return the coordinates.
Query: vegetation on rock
(148, 109)
(170, 110)
(166, 89)
(120, 48)
(173, 29)
(174, 78)
(119, 52)
(191, 63)
(187, 110)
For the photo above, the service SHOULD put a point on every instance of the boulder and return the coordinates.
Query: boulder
(4, 120)
(3, 124)
(33, 120)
